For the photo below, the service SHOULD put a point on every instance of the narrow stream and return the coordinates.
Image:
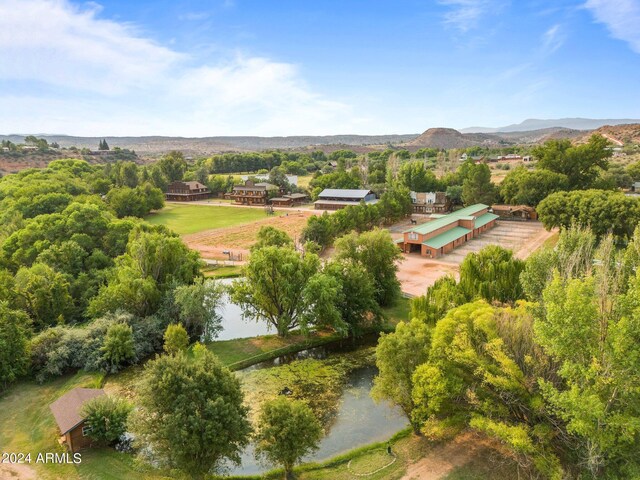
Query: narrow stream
(358, 421)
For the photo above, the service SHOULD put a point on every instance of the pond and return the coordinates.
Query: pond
(233, 325)
(358, 421)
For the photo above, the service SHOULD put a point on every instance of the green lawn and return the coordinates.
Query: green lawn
(185, 219)
(398, 312)
(242, 352)
(222, 271)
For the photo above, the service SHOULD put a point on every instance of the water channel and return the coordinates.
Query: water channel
(358, 421)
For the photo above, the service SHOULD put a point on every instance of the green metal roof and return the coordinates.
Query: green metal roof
(447, 219)
(446, 237)
(484, 219)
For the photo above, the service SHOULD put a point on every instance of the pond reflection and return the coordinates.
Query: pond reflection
(358, 422)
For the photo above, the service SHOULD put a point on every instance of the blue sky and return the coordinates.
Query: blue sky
(240, 67)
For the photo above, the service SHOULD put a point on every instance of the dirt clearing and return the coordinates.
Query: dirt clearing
(240, 238)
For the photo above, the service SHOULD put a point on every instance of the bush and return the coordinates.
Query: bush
(107, 418)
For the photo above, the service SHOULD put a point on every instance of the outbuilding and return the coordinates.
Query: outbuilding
(67, 411)
(337, 198)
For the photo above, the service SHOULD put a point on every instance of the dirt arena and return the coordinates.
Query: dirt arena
(238, 239)
(416, 273)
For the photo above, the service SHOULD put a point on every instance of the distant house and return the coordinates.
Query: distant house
(635, 187)
(29, 148)
(251, 193)
(445, 232)
(337, 198)
(290, 200)
(187, 191)
(292, 179)
(515, 212)
(67, 411)
(430, 202)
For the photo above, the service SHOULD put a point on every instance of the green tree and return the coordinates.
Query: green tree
(377, 254)
(477, 187)
(173, 166)
(398, 354)
(524, 187)
(191, 413)
(106, 418)
(319, 229)
(287, 290)
(603, 211)
(44, 294)
(197, 304)
(417, 178)
(287, 431)
(153, 264)
(596, 348)
(14, 344)
(176, 339)
(103, 145)
(118, 346)
(357, 299)
(493, 274)
(581, 164)
(633, 170)
(440, 297)
(272, 237)
(481, 372)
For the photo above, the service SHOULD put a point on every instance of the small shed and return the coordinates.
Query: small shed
(67, 411)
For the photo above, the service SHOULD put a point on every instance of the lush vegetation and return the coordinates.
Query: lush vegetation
(292, 290)
(554, 379)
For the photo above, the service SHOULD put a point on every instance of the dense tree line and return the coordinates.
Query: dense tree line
(81, 287)
(604, 211)
(553, 378)
(392, 206)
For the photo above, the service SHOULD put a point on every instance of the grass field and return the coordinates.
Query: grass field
(186, 219)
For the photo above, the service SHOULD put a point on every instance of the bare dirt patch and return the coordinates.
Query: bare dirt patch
(239, 239)
(18, 471)
(440, 461)
(416, 273)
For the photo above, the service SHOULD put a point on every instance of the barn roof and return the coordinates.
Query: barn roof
(463, 214)
(344, 193)
(67, 410)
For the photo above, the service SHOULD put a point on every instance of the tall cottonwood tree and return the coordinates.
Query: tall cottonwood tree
(287, 290)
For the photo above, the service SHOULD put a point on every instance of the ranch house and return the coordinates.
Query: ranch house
(251, 193)
(445, 232)
(337, 198)
(430, 202)
(67, 411)
(187, 192)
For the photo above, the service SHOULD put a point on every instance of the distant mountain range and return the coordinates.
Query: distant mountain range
(538, 124)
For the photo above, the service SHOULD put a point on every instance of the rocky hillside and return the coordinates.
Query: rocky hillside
(618, 134)
(450, 138)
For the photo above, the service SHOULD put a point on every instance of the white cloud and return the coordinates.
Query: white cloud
(465, 14)
(622, 18)
(68, 71)
(552, 39)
